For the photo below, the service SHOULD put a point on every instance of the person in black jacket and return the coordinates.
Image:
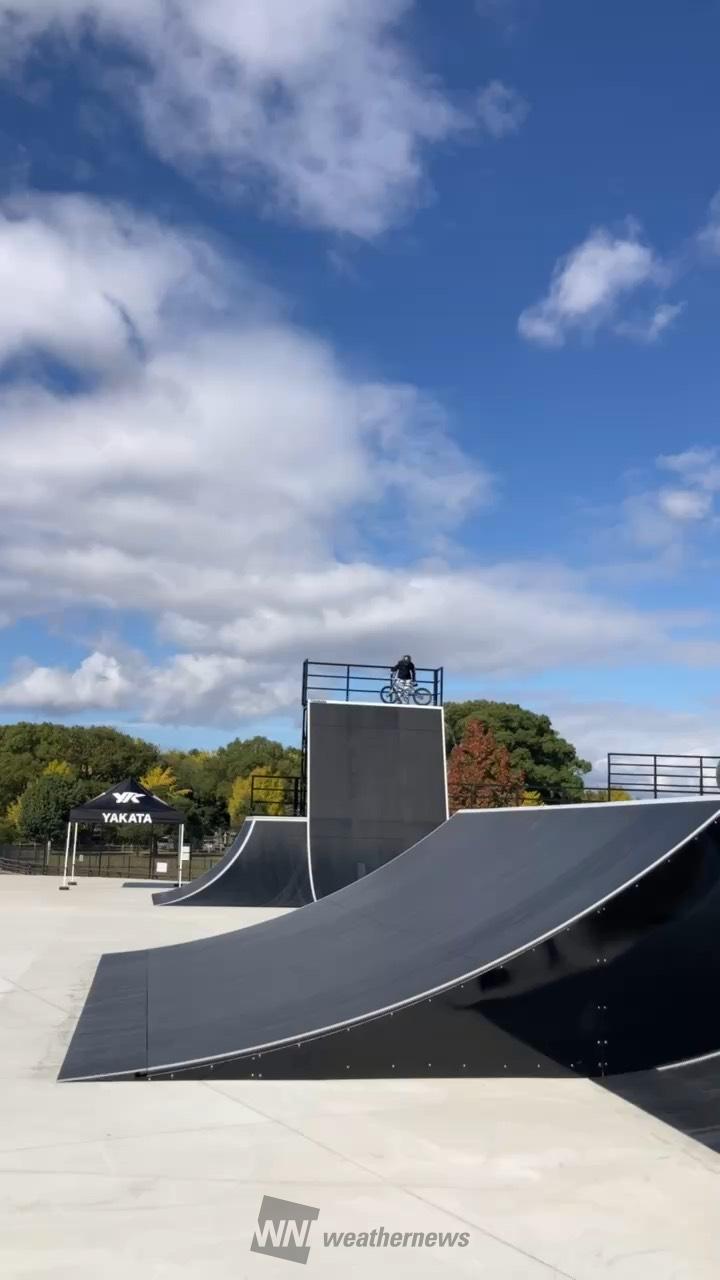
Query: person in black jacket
(404, 675)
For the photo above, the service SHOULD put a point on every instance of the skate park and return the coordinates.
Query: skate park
(476, 1030)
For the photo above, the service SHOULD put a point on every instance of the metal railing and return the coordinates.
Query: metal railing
(360, 681)
(277, 796)
(658, 774)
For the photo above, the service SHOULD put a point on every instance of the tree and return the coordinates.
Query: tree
(602, 797)
(46, 805)
(11, 822)
(532, 799)
(480, 772)
(550, 765)
(269, 798)
(58, 769)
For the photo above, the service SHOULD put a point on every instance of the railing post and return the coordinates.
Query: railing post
(702, 775)
(347, 683)
(655, 782)
(609, 776)
(305, 682)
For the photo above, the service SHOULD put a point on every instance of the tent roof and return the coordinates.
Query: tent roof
(127, 797)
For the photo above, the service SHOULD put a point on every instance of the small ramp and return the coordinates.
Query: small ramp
(265, 866)
(376, 784)
(525, 941)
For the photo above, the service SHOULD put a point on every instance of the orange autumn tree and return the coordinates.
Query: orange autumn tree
(480, 772)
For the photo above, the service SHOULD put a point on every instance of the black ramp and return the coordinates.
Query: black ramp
(685, 1095)
(265, 866)
(376, 785)
(481, 889)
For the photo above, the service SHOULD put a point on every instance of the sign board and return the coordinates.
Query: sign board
(161, 868)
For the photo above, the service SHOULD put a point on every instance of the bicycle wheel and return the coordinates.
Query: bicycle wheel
(388, 694)
(422, 697)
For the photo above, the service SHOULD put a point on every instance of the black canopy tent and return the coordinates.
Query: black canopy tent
(128, 804)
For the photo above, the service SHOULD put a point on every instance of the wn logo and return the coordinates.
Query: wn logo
(127, 797)
(283, 1229)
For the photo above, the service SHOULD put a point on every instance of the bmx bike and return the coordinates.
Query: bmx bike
(403, 695)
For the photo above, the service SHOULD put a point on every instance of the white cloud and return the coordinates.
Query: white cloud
(98, 683)
(651, 329)
(661, 517)
(699, 466)
(233, 484)
(622, 726)
(501, 110)
(587, 286)
(684, 504)
(709, 235)
(92, 284)
(316, 106)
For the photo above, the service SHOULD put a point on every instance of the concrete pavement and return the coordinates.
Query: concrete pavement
(164, 1181)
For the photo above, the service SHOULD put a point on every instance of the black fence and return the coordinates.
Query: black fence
(128, 862)
(277, 796)
(657, 774)
(361, 681)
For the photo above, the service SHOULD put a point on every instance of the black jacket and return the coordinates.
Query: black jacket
(404, 670)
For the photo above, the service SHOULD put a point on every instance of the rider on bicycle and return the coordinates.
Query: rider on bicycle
(404, 673)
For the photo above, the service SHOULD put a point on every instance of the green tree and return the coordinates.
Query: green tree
(480, 773)
(46, 804)
(550, 765)
(601, 796)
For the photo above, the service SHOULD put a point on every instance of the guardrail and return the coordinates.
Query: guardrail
(361, 681)
(657, 774)
(277, 796)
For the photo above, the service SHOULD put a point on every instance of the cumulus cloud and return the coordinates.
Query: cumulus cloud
(316, 106)
(229, 480)
(616, 725)
(587, 286)
(94, 285)
(501, 110)
(661, 517)
(97, 683)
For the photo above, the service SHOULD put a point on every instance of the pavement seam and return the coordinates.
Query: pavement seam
(43, 999)
(398, 1186)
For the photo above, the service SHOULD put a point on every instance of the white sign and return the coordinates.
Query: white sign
(161, 868)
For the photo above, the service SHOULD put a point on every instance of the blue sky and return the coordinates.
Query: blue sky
(344, 329)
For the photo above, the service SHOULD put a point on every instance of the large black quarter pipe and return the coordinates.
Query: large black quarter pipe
(376, 784)
(579, 940)
(265, 866)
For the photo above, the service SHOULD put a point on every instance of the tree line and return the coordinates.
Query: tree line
(498, 754)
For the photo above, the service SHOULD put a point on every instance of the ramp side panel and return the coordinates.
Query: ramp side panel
(687, 1097)
(376, 785)
(473, 894)
(180, 893)
(266, 866)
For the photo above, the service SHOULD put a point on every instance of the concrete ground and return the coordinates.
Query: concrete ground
(163, 1181)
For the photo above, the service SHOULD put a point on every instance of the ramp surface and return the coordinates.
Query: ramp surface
(376, 785)
(265, 866)
(484, 888)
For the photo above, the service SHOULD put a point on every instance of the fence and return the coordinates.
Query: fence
(128, 863)
(361, 681)
(277, 796)
(654, 774)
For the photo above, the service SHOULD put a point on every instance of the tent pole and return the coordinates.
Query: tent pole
(181, 841)
(72, 869)
(65, 884)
